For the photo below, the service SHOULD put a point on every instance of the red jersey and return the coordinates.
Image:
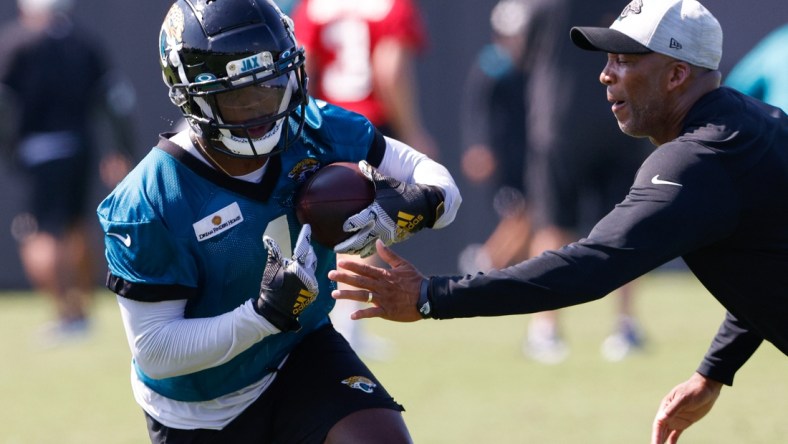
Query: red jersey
(341, 35)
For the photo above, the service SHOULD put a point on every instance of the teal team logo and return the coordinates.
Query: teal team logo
(360, 383)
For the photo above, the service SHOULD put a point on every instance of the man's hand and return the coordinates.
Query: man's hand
(399, 210)
(288, 285)
(687, 403)
(392, 292)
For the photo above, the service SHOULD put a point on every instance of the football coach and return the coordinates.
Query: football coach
(713, 192)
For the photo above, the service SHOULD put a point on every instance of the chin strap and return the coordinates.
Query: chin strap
(200, 145)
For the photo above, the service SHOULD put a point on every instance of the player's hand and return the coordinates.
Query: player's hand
(399, 210)
(392, 293)
(288, 285)
(687, 403)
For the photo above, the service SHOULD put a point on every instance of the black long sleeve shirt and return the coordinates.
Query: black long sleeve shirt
(715, 196)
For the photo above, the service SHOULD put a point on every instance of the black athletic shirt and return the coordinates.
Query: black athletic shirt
(57, 74)
(717, 196)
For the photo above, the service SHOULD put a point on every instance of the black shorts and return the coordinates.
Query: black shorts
(321, 382)
(572, 188)
(59, 193)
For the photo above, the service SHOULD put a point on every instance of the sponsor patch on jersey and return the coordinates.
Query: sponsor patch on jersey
(303, 169)
(218, 222)
(360, 383)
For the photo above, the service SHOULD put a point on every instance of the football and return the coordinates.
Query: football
(331, 195)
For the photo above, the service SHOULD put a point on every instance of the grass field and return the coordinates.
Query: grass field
(461, 381)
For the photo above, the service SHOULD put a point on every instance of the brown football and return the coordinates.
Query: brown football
(334, 193)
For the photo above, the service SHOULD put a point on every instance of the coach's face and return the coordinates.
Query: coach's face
(636, 86)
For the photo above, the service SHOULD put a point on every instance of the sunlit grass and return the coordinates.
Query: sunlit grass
(461, 381)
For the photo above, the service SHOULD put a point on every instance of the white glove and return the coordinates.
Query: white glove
(399, 210)
(288, 285)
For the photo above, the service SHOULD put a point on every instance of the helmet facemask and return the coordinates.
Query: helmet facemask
(237, 74)
(245, 115)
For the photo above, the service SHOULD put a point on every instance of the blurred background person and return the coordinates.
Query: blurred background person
(361, 55)
(763, 72)
(525, 91)
(493, 130)
(580, 163)
(362, 58)
(53, 81)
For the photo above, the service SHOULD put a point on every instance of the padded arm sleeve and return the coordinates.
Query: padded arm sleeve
(165, 344)
(411, 166)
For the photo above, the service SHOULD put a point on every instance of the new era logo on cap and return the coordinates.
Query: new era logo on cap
(682, 29)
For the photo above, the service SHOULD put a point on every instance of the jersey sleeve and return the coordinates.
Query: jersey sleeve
(146, 261)
(347, 135)
(170, 266)
(677, 204)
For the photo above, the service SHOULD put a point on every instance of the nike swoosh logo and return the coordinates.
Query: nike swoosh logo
(657, 181)
(126, 240)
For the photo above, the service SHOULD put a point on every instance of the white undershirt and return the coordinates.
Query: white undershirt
(165, 344)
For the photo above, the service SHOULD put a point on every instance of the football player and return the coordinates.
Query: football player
(223, 298)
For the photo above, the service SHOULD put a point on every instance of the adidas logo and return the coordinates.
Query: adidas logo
(674, 44)
(302, 301)
(407, 222)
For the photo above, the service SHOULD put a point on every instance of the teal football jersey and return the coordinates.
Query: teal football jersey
(176, 229)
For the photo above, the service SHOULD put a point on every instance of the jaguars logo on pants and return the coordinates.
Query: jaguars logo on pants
(360, 383)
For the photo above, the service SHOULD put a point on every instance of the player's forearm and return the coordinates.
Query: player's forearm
(408, 165)
(165, 344)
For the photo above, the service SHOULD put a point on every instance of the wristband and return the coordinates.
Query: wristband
(435, 203)
(423, 305)
(273, 315)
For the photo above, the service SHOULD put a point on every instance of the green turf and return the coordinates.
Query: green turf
(461, 381)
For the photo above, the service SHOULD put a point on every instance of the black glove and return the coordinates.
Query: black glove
(288, 286)
(399, 210)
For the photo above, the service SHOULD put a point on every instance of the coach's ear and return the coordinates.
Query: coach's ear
(678, 75)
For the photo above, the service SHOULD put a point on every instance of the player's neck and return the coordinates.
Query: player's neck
(229, 165)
